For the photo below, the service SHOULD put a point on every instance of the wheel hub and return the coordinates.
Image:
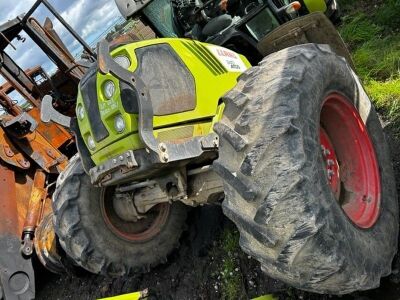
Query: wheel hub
(350, 160)
(139, 229)
(331, 163)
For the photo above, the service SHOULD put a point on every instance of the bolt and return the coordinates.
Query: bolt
(114, 161)
(330, 162)
(121, 158)
(330, 174)
(163, 147)
(8, 151)
(165, 157)
(327, 152)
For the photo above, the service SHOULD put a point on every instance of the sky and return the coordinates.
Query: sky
(88, 17)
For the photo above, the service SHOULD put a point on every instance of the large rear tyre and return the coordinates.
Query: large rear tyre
(308, 178)
(93, 235)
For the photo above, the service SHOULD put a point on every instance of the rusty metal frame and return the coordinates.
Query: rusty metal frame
(62, 21)
(16, 272)
(27, 160)
(35, 207)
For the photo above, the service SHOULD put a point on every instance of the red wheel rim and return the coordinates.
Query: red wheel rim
(350, 161)
(139, 231)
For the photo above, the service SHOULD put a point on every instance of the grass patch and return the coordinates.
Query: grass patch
(378, 58)
(372, 31)
(386, 96)
(359, 29)
(388, 15)
(231, 277)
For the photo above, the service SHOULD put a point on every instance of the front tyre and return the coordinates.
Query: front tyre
(97, 239)
(308, 177)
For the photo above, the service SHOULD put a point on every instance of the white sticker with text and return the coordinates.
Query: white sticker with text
(230, 60)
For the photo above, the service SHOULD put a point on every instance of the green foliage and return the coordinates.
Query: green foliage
(371, 29)
(359, 29)
(386, 96)
(388, 15)
(378, 58)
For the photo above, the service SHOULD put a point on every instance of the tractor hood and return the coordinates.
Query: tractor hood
(144, 93)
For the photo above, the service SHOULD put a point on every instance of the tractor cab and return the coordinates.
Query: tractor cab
(241, 28)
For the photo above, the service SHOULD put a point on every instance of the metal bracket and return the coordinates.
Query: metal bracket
(20, 125)
(27, 245)
(49, 114)
(126, 160)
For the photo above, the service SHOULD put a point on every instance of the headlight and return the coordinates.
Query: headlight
(80, 112)
(109, 89)
(123, 61)
(91, 143)
(119, 123)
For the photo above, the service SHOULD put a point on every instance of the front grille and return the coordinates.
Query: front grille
(206, 57)
(176, 134)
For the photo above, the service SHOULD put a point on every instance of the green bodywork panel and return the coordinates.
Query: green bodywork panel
(209, 88)
(315, 5)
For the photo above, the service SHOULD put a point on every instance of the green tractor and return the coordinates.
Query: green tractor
(290, 144)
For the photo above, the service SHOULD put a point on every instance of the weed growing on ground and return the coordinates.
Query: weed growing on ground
(230, 276)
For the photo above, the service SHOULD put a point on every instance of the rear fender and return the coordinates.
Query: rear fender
(313, 28)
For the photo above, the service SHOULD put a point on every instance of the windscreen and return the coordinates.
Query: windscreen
(262, 24)
(160, 14)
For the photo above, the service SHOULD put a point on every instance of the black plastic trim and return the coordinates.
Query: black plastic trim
(88, 89)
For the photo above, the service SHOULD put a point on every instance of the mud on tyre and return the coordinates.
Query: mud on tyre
(93, 235)
(308, 178)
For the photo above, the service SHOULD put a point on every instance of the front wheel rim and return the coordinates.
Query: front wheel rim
(137, 232)
(350, 161)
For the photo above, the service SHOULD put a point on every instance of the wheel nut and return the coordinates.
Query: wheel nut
(330, 162)
(165, 157)
(163, 147)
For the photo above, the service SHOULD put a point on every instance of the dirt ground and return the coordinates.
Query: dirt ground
(195, 270)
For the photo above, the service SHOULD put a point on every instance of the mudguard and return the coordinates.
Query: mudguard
(312, 28)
